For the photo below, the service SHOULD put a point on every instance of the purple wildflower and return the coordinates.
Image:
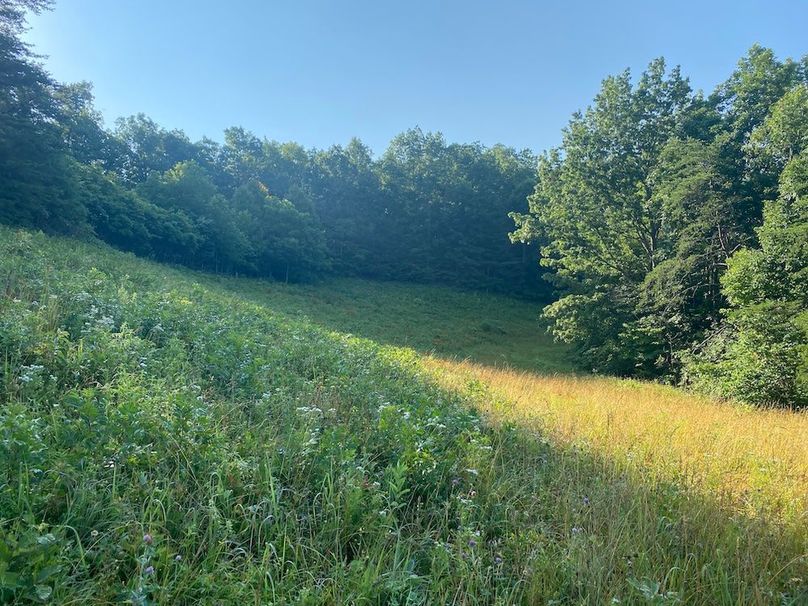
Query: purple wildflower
(147, 538)
(149, 570)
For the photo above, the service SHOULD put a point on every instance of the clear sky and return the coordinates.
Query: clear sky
(319, 71)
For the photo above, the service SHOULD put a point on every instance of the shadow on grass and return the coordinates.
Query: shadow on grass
(585, 529)
(571, 524)
(486, 328)
(566, 524)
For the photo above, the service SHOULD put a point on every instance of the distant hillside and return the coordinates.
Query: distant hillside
(486, 328)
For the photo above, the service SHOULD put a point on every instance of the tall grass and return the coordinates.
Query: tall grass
(753, 458)
(173, 438)
(709, 488)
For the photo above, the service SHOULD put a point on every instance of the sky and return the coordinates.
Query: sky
(320, 72)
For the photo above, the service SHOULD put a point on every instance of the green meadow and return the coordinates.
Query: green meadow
(168, 437)
(487, 328)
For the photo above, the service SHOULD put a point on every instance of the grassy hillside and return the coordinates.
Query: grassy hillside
(486, 328)
(168, 437)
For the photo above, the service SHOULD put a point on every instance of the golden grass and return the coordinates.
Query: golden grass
(752, 461)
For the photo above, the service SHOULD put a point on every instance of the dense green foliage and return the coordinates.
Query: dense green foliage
(166, 440)
(653, 194)
(35, 180)
(425, 210)
(760, 353)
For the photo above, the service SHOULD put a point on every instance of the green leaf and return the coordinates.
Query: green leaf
(43, 592)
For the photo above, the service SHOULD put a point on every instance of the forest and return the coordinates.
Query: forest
(666, 237)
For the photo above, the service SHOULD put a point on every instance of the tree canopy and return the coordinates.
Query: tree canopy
(675, 229)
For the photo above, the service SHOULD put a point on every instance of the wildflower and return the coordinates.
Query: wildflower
(30, 372)
(472, 543)
(497, 560)
(149, 570)
(455, 481)
(148, 539)
(577, 530)
(586, 501)
(178, 558)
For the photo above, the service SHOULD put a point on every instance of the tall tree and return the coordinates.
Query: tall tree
(150, 149)
(36, 186)
(759, 354)
(82, 129)
(287, 244)
(186, 189)
(597, 212)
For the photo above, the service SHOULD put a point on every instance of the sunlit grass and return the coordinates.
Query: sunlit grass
(169, 437)
(758, 459)
(732, 480)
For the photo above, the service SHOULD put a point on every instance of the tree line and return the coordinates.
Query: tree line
(670, 225)
(676, 228)
(425, 210)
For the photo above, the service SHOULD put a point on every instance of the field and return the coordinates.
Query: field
(177, 438)
(490, 329)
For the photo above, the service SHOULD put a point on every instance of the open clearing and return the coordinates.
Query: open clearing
(180, 438)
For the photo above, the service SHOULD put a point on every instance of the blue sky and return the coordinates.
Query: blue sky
(319, 72)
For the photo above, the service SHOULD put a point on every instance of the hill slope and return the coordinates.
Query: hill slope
(169, 437)
(487, 328)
